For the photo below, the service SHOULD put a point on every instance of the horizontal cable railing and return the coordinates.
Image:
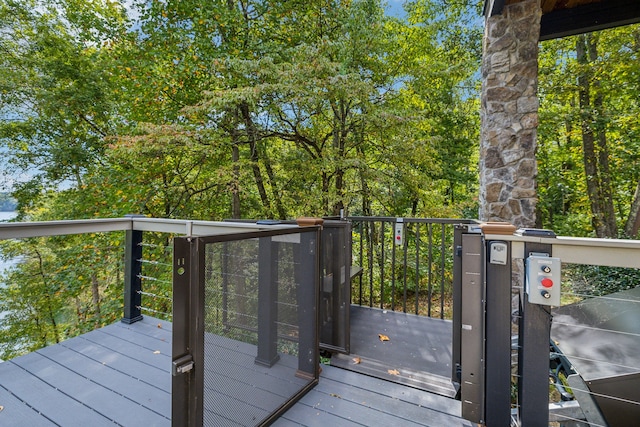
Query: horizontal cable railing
(600, 336)
(156, 275)
(88, 265)
(406, 266)
(594, 371)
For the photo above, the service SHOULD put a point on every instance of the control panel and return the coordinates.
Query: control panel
(543, 280)
(398, 232)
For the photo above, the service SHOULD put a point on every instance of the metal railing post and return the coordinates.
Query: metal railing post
(267, 302)
(472, 385)
(457, 302)
(498, 333)
(533, 356)
(132, 272)
(183, 380)
(307, 276)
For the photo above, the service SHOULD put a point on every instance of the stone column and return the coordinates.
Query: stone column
(509, 115)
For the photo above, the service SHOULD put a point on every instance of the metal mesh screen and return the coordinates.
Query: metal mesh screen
(335, 288)
(260, 342)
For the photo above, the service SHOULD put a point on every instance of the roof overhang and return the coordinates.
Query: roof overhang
(589, 17)
(578, 19)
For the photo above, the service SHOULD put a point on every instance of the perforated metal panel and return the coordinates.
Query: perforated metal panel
(335, 289)
(257, 328)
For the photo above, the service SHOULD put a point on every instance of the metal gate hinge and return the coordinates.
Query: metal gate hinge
(182, 365)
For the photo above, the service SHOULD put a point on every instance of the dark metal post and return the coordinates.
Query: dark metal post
(533, 357)
(181, 382)
(132, 271)
(498, 334)
(227, 258)
(339, 269)
(457, 301)
(472, 387)
(307, 276)
(267, 302)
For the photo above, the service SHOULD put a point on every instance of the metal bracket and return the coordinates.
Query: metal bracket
(182, 365)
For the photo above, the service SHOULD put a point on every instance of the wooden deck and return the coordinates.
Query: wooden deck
(418, 351)
(120, 375)
(117, 375)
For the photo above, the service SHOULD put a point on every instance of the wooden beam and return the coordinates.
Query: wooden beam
(589, 17)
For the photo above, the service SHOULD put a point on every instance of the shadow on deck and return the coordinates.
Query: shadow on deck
(120, 375)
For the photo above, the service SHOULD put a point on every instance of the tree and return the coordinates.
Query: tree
(244, 108)
(594, 138)
(589, 120)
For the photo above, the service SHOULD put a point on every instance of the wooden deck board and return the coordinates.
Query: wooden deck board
(19, 413)
(123, 363)
(418, 349)
(120, 375)
(350, 398)
(395, 391)
(110, 403)
(46, 403)
(112, 379)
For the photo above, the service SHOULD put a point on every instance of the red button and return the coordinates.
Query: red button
(547, 283)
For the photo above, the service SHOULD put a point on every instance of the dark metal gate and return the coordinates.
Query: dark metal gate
(336, 272)
(245, 322)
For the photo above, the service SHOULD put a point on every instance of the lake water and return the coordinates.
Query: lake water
(3, 217)
(7, 215)
(4, 264)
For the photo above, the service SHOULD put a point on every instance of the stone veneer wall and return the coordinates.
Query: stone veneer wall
(509, 115)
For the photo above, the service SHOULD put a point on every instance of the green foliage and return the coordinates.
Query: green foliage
(596, 280)
(414, 277)
(55, 88)
(565, 203)
(225, 109)
(61, 287)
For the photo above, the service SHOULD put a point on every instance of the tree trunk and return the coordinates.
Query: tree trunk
(235, 181)
(595, 153)
(95, 297)
(325, 192)
(47, 296)
(632, 225)
(366, 192)
(282, 213)
(252, 135)
(340, 133)
(604, 173)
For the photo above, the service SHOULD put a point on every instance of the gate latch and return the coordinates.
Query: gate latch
(182, 365)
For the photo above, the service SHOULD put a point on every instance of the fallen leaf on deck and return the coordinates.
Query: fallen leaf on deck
(393, 372)
(356, 360)
(156, 352)
(383, 337)
(335, 395)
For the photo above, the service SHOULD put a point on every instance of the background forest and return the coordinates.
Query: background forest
(269, 109)
(246, 109)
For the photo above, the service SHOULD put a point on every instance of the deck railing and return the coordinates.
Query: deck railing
(597, 334)
(415, 275)
(265, 277)
(407, 264)
(134, 227)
